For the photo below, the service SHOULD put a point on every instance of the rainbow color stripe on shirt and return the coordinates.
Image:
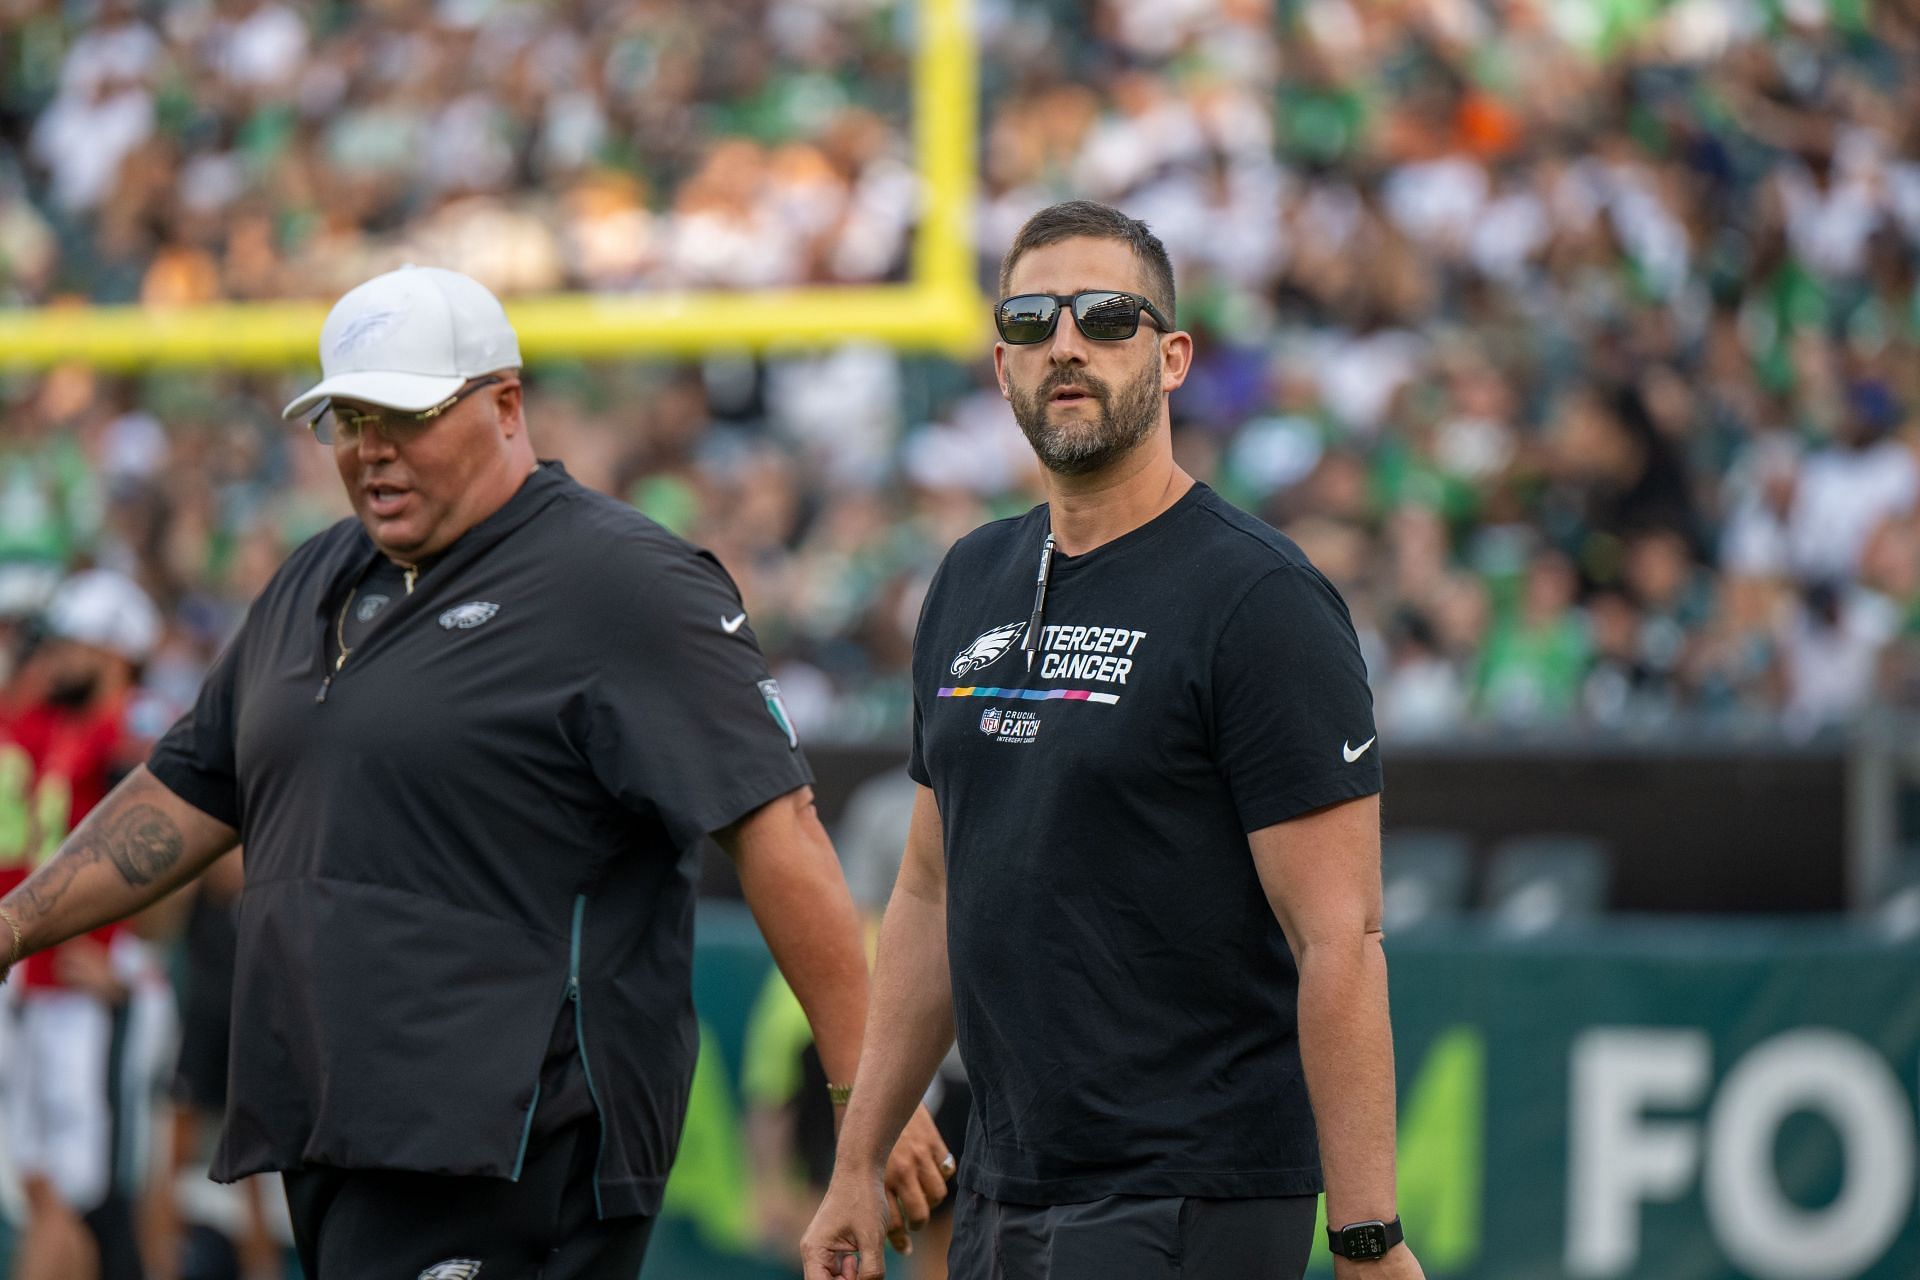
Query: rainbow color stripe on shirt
(1032, 695)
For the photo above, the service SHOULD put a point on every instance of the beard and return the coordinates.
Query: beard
(1077, 448)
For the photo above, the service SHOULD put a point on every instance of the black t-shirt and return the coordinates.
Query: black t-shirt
(1125, 999)
(475, 838)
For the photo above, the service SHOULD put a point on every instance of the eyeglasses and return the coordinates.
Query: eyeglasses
(339, 423)
(1105, 315)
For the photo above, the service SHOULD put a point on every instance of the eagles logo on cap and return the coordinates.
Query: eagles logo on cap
(407, 340)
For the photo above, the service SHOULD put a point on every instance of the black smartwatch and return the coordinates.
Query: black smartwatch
(1364, 1241)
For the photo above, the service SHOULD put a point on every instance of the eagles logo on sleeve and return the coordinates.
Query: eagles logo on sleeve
(777, 708)
(988, 649)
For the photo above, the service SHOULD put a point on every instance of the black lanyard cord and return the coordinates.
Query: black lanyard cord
(1030, 642)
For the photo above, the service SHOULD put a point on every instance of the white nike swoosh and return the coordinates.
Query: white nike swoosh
(1354, 753)
(732, 625)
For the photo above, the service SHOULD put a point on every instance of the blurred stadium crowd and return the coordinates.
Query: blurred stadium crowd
(1575, 341)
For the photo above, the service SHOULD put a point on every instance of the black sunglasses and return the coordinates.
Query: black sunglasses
(1105, 315)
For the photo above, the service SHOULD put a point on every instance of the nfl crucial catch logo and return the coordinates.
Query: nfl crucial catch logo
(988, 649)
(465, 617)
(1009, 725)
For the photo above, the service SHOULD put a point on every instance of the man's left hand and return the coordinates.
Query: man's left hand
(1398, 1264)
(916, 1178)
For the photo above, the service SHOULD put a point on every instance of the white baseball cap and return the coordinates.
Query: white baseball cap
(408, 340)
(107, 610)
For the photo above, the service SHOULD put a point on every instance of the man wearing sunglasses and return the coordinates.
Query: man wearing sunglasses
(1142, 876)
(472, 741)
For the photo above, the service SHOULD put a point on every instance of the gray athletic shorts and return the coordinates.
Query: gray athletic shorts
(1132, 1238)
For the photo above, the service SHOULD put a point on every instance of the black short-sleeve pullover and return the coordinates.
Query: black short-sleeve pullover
(488, 813)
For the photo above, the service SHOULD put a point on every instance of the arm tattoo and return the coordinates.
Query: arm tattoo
(44, 889)
(141, 842)
(144, 844)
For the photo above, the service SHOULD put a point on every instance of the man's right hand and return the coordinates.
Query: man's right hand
(845, 1240)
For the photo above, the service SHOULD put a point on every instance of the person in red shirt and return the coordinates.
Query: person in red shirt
(63, 744)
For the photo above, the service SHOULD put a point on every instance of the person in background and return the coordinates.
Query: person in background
(183, 1247)
(79, 1114)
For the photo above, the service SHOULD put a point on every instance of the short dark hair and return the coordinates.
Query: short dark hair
(1073, 218)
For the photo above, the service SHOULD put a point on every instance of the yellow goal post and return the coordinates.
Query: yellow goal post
(938, 308)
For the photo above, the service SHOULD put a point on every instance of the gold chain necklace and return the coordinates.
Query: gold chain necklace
(340, 630)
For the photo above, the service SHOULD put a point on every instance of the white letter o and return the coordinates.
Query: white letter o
(1763, 1231)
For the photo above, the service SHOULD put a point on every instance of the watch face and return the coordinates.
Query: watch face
(1365, 1240)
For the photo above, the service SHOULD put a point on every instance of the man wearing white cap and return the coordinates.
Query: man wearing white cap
(77, 1112)
(472, 741)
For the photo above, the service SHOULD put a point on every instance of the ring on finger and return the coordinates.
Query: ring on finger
(948, 1165)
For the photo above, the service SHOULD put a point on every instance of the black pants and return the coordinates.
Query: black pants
(111, 1223)
(372, 1224)
(1132, 1238)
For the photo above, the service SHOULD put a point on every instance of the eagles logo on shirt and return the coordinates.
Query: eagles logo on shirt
(465, 617)
(988, 649)
(453, 1269)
